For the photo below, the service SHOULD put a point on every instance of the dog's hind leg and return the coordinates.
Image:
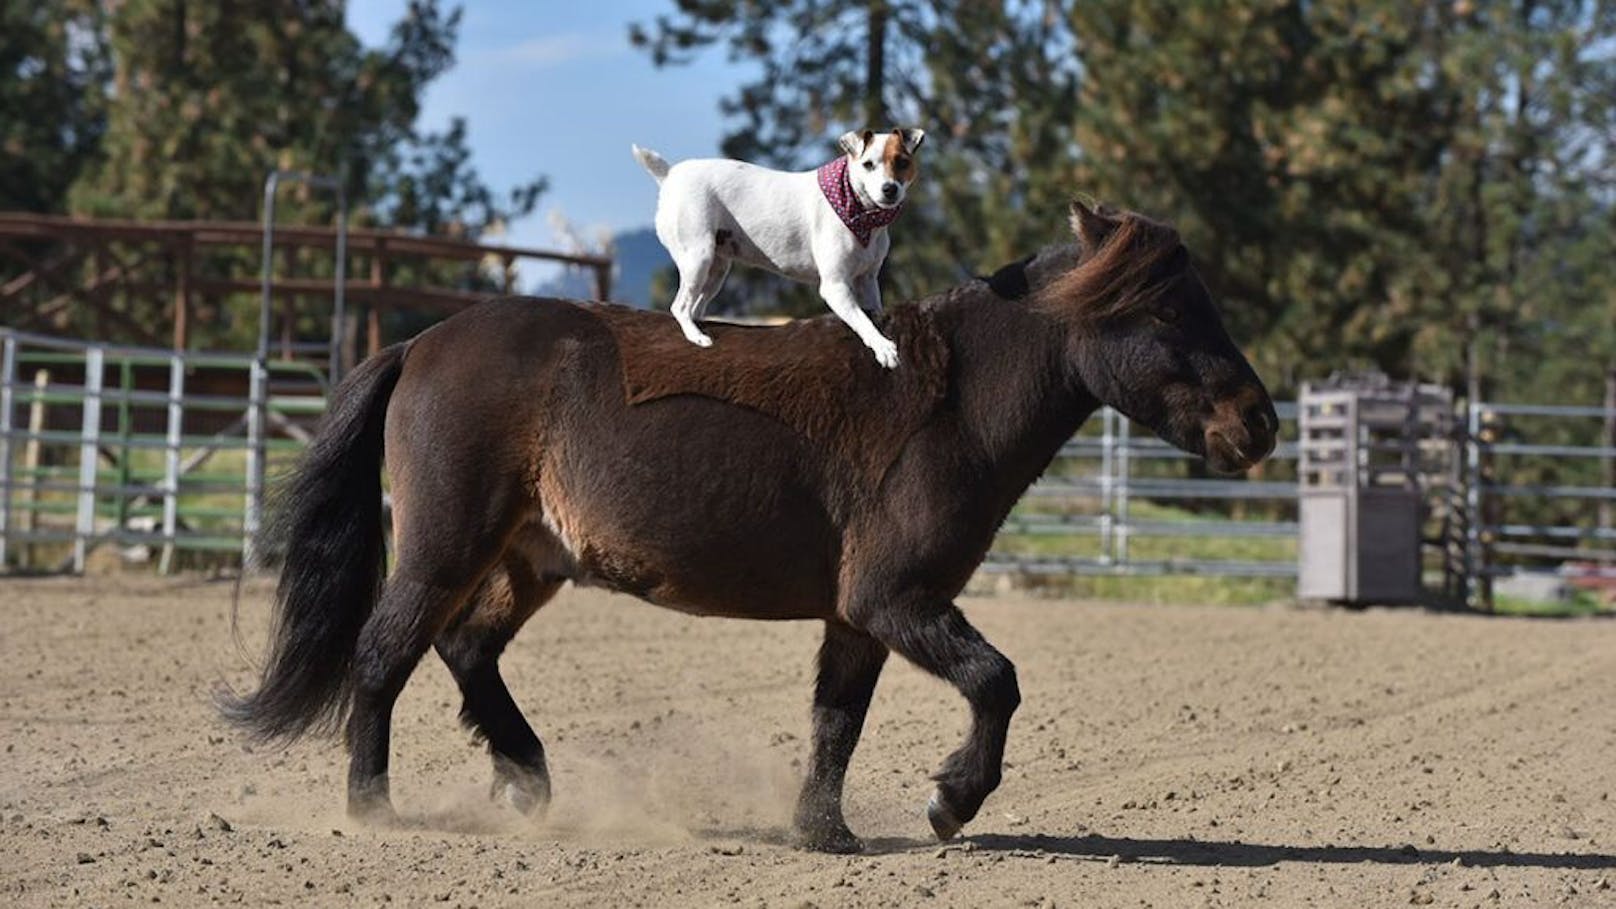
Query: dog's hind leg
(507, 598)
(715, 283)
(695, 264)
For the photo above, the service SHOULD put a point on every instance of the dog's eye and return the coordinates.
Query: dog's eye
(1165, 314)
(900, 164)
(869, 165)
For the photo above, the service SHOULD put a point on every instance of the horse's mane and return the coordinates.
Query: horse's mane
(1134, 262)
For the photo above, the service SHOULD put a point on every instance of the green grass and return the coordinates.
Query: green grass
(213, 515)
(1198, 543)
(1582, 603)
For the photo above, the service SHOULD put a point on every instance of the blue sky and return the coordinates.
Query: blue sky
(554, 88)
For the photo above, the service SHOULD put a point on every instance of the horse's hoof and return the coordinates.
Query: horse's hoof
(373, 812)
(943, 821)
(530, 796)
(837, 841)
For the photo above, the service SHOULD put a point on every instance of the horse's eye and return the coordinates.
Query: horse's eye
(869, 165)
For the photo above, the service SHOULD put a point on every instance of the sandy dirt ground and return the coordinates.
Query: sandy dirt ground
(1163, 756)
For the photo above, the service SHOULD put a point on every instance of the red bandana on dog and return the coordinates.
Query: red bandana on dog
(838, 190)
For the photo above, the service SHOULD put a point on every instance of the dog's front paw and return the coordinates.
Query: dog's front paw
(886, 352)
(700, 339)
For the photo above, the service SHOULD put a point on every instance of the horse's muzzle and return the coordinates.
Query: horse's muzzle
(1242, 432)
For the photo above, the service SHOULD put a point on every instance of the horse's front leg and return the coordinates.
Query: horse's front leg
(936, 637)
(849, 664)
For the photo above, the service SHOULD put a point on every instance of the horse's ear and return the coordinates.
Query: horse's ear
(855, 141)
(1090, 226)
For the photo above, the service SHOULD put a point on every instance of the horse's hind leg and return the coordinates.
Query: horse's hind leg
(394, 638)
(849, 664)
(942, 642)
(439, 566)
(509, 595)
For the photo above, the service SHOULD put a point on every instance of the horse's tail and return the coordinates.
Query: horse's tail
(328, 536)
(654, 163)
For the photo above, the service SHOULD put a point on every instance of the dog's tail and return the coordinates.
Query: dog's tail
(655, 164)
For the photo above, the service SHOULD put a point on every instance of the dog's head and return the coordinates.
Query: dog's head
(882, 165)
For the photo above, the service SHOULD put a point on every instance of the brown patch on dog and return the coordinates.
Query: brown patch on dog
(797, 374)
(900, 163)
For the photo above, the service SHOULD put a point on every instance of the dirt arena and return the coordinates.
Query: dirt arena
(1163, 756)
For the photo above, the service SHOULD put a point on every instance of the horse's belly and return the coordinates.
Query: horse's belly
(743, 538)
(739, 571)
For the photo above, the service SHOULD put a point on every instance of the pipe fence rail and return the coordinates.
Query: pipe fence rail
(1118, 501)
(1542, 487)
(136, 447)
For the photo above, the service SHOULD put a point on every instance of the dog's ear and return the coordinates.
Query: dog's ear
(911, 139)
(1091, 226)
(854, 142)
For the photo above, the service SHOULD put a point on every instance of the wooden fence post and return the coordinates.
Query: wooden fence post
(31, 459)
(378, 282)
(182, 293)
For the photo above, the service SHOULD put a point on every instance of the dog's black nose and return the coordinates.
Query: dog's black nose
(889, 190)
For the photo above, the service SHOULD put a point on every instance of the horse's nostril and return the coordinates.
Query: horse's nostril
(1258, 417)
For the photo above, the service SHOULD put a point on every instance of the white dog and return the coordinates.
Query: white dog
(825, 226)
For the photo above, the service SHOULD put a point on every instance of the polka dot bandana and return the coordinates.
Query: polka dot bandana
(838, 190)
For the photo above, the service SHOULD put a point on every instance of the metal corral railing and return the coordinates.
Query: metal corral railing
(135, 446)
(1543, 496)
(1532, 494)
(156, 448)
(1115, 490)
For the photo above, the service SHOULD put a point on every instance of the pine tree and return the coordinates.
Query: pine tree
(209, 97)
(1426, 188)
(204, 99)
(53, 68)
(962, 70)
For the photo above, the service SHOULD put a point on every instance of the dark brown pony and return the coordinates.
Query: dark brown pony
(777, 475)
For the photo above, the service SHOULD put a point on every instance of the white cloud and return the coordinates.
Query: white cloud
(554, 50)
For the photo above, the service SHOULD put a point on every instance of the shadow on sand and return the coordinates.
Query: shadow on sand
(1234, 854)
(1238, 854)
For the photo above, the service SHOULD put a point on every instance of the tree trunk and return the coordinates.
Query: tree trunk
(875, 108)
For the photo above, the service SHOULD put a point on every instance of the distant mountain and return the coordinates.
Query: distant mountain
(638, 255)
